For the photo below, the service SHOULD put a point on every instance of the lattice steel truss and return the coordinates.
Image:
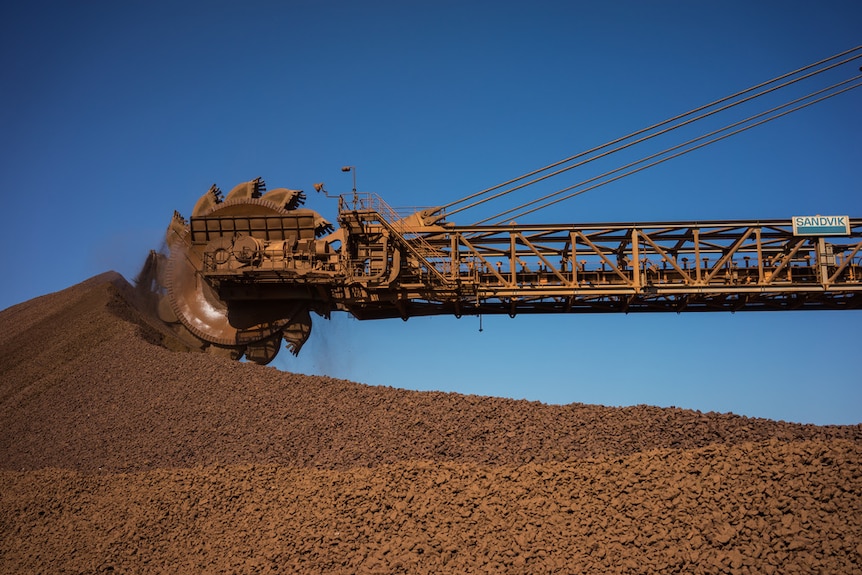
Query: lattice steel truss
(400, 267)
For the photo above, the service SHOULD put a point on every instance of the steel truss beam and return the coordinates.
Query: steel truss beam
(644, 267)
(388, 266)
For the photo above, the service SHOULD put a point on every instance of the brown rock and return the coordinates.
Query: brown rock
(117, 454)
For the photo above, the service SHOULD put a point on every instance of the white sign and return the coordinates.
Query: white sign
(821, 226)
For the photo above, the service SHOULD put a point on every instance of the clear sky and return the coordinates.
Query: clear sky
(114, 114)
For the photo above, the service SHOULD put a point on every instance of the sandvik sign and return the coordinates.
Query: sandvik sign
(821, 226)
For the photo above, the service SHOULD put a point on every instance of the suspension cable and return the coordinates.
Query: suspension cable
(678, 147)
(649, 129)
(645, 138)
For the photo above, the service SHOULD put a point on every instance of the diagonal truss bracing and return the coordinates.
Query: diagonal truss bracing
(661, 266)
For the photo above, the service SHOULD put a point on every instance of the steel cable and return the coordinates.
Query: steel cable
(678, 147)
(647, 137)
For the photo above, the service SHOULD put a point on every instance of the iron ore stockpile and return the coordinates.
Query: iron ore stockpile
(119, 453)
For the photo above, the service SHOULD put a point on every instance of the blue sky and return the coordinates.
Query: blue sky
(116, 113)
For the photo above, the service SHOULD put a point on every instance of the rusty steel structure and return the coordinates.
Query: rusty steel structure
(248, 269)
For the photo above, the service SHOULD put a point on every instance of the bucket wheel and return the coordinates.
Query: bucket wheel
(253, 329)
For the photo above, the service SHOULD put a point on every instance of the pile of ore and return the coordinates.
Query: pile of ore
(119, 453)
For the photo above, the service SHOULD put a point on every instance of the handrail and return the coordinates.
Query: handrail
(393, 221)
